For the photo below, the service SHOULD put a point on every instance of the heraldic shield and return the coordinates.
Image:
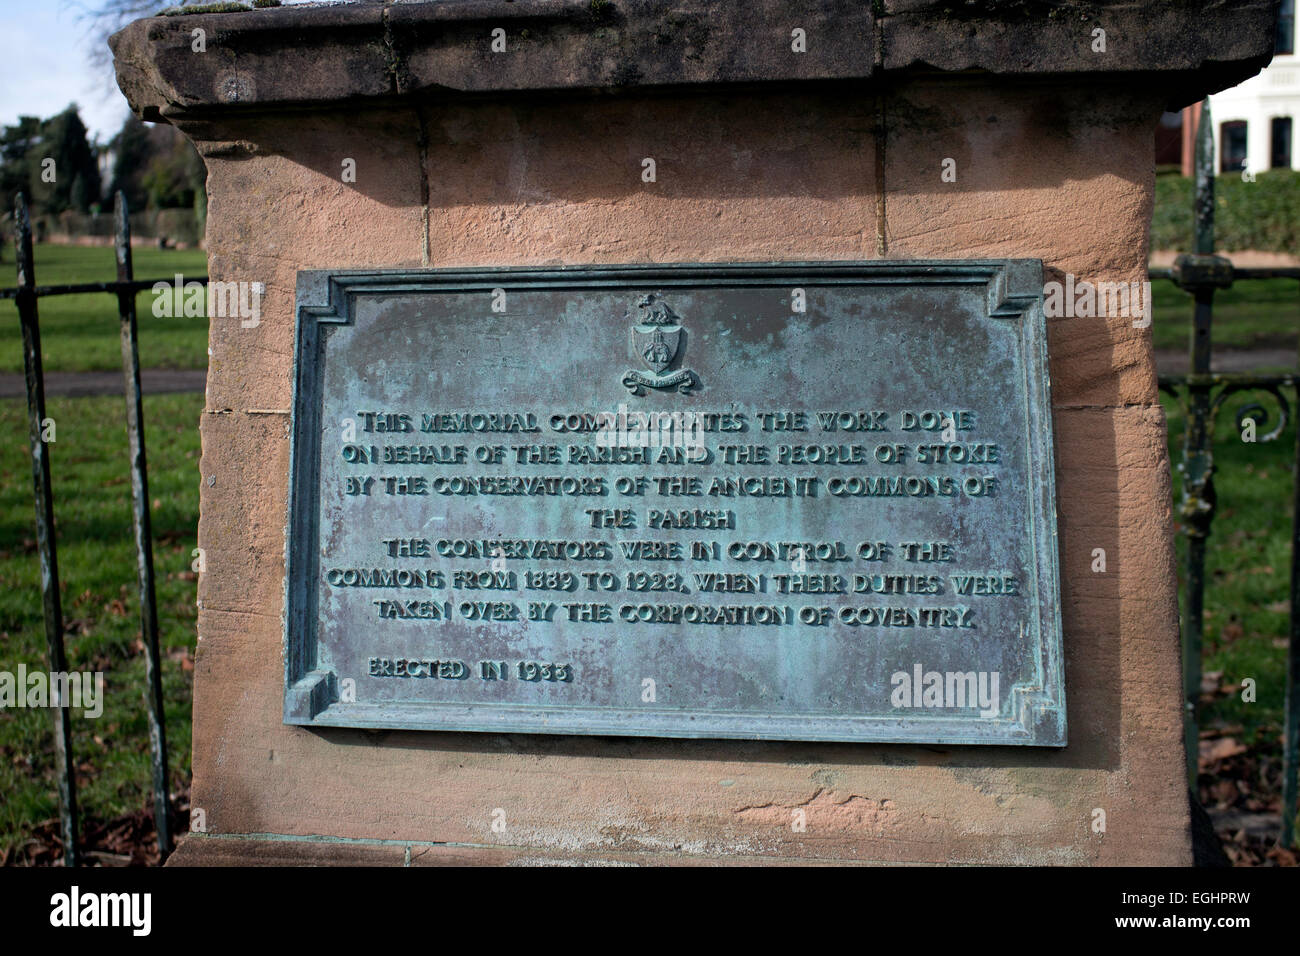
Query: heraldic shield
(657, 338)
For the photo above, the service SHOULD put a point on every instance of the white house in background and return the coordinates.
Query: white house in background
(1256, 121)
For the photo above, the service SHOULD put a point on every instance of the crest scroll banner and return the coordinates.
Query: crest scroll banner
(658, 339)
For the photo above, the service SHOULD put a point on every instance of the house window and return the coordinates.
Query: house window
(1232, 146)
(1280, 153)
(1285, 28)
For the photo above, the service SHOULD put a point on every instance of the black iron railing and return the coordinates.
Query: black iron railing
(26, 296)
(1201, 395)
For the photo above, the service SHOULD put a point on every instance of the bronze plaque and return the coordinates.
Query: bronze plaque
(804, 501)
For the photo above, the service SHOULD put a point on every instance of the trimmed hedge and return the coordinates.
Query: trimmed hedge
(1263, 215)
(175, 225)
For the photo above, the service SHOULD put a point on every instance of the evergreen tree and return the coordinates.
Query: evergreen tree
(132, 150)
(72, 182)
(16, 143)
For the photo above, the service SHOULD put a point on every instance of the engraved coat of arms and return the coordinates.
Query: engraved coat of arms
(657, 338)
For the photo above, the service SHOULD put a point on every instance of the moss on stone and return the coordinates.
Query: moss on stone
(230, 7)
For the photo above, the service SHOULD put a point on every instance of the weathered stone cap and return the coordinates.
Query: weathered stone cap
(312, 55)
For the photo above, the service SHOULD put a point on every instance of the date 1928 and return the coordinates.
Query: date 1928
(452, 669)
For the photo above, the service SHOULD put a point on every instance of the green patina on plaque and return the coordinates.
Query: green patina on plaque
(808, 501)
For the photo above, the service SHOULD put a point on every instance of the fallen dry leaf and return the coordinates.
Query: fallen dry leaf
(1283, 857)
(1213, 751)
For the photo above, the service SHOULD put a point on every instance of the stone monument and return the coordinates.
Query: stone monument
(684, 431)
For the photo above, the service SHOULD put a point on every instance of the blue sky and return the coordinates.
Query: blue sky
(45, 51)
(45, 65)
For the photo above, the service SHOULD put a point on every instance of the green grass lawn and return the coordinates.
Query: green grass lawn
(79, 333)
(92, 503)
(1257, 313)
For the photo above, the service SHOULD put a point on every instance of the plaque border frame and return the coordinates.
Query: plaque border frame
(1014, 291)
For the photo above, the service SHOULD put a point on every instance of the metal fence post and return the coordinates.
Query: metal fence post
(46, 545)
(1291, 719)
(1201, 274)
(1198, 465)
(143, 526)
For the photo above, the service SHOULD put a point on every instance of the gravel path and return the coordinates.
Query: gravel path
(154, 381)
(1176, 361)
